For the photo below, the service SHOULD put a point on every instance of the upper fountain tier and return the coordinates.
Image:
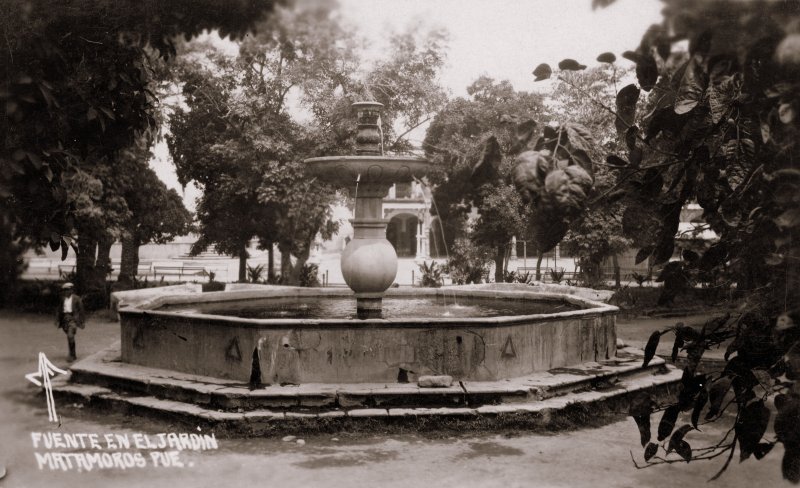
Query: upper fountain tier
(370, 166)
(346, 170)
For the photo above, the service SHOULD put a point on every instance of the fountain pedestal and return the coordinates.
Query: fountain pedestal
(369, 262)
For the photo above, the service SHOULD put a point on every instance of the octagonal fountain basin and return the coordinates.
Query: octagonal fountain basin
(287, 335)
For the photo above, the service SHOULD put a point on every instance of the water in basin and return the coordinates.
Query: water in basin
(393, 308)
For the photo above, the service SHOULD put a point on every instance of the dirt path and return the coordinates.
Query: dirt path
(590, 457)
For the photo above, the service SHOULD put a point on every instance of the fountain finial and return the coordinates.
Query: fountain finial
(368, 138)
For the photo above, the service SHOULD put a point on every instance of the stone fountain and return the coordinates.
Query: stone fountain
(369, 262)
(274, 358)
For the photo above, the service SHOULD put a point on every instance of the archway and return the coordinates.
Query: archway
(402, 233)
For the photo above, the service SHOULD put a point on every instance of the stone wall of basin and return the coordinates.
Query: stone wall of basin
(355, 351)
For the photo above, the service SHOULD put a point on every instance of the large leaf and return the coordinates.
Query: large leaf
(579, 136)
(487, 167)
(716, 395)
(650, 451)
(525, 134)
(762, 449)
(606, 58)
(691, 89)
(790, 465)
(548, 230)
(684, 450)
(542, 72)
(626, 107)
(650, 347)
(750, 427)
(647, 72)
(570, 65)
(714, 256)
(643, 424)
(679, 341)
(677, 439)
(668, 421)
(643, 254)
(630, 137)
(617, 161)
(787, 420)
(663, 250)
(721, 96)
(640, 408)
(699, 402)
(691, 386)
(632, 56)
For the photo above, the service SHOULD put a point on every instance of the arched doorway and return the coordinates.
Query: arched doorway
(402, 233)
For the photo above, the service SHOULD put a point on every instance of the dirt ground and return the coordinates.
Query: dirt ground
(589, 457)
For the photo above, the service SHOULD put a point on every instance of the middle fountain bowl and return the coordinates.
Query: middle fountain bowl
(369, 261)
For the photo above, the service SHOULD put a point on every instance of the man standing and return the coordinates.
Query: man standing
(70, 315)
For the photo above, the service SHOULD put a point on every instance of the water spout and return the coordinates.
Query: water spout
(441, 230)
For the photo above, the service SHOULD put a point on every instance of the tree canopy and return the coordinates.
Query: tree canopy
(79, 90)
(469, 173)
(239, 138)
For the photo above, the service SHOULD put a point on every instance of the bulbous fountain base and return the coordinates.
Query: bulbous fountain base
(369, 267)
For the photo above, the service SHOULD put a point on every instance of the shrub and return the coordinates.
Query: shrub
(517, 277)
(557, 275)
(468, 262)
(640, 279)
(431, 275)
(254, 273)
(309, 275)
(213, 286)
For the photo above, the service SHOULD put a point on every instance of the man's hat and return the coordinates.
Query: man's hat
(67, 286)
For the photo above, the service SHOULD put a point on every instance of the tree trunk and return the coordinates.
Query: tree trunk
(617, 276)
(243, 263)
(271, 264)
(129, 266)
(103, 262)
(84, 264)
(499, 258)
(539, 266)
(297, 268)
(286, 263)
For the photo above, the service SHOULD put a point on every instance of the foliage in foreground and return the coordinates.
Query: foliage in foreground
(721, 129)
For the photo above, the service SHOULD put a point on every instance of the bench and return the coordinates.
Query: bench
(545, 273)
(178, 271)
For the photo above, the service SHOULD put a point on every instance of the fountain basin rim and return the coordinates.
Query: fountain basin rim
(593, 308)
(376, 169)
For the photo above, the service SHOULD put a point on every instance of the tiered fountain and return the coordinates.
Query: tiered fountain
(237, 356)
(369, 262)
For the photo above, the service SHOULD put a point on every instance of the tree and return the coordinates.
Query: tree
(212, 143)
(157, 214)
(238, 141)
(77, 92)
(597, 234)
(722, 130)
(455, 144)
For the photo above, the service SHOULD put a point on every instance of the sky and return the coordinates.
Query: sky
(505, 39)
